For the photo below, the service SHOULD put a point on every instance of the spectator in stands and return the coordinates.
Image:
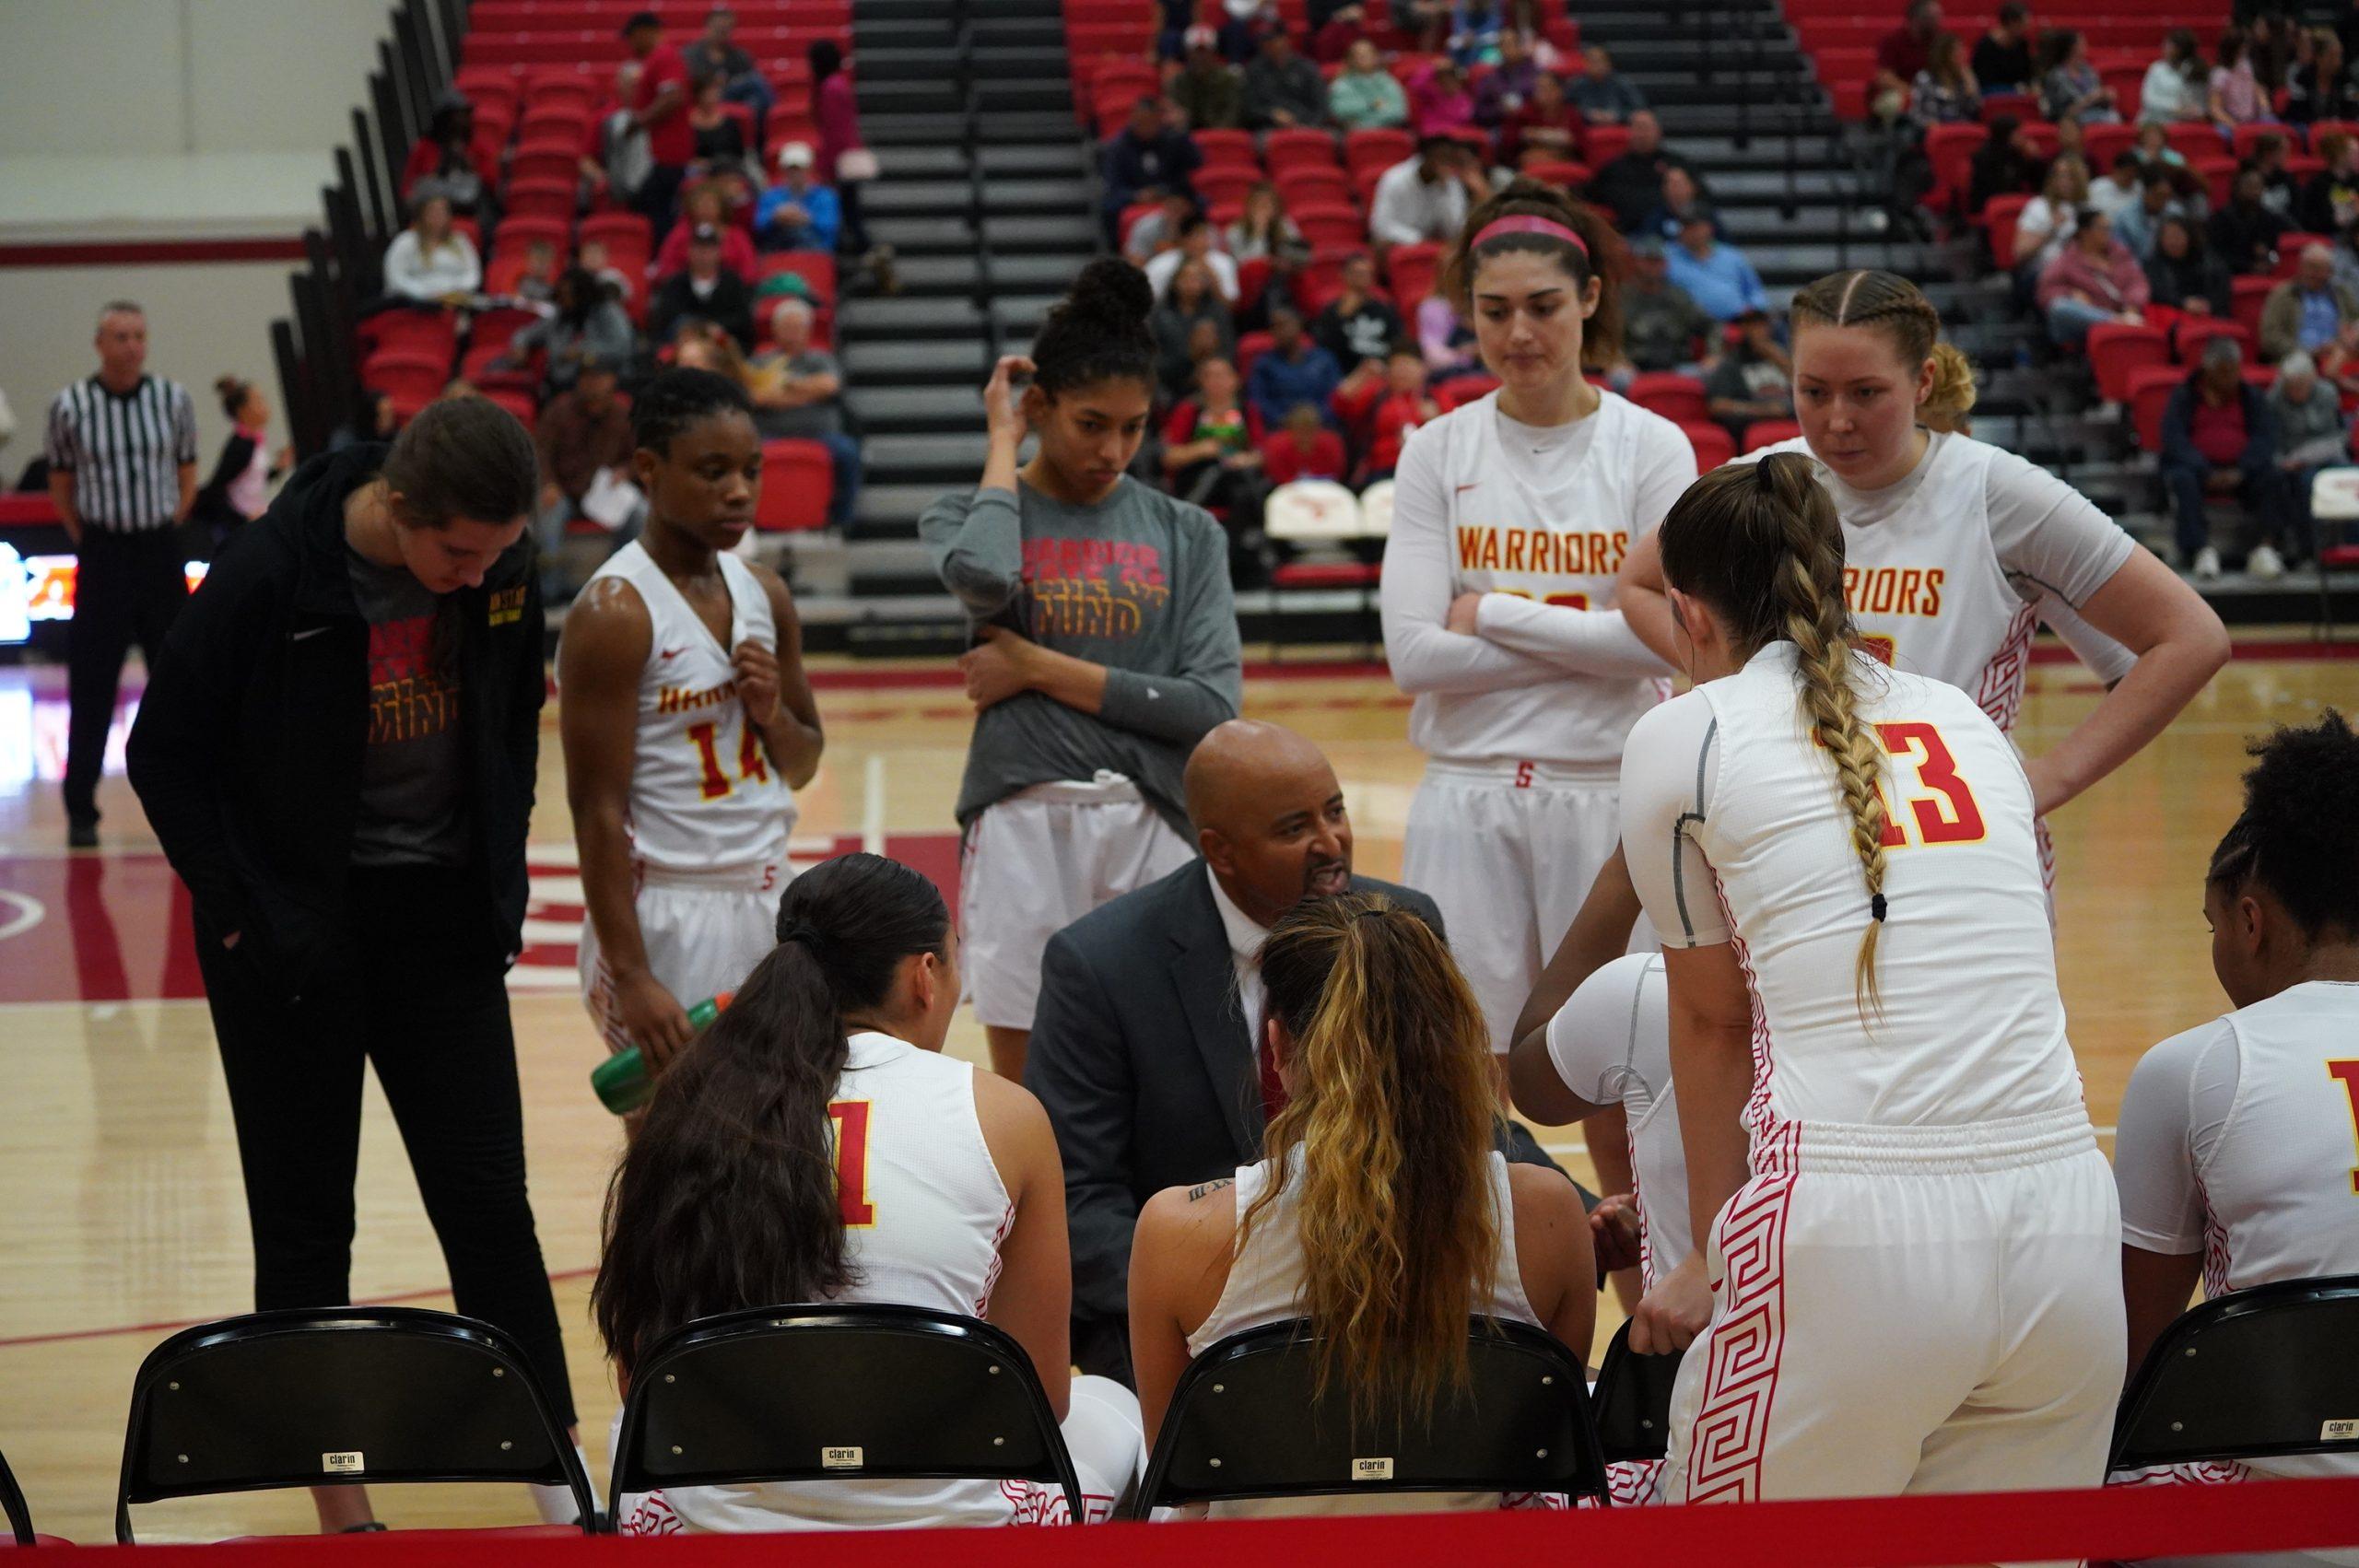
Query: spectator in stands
(1604, 94)
(2120, 187)
(1358, 323)
(538, 283)
(1146, 160)
(1945, 92)
(798, 395)
(2244, 233)
(2094, 278)
(661, 109)
(2071, 83)
(715, 53)
(1902, 55)
(2176, 85)
(430, 262)
(443, 160)
(2235, 96)
(1197, 242)
(1281, 87)
(2154, 145)
(592, 259)
(1364, 96)
(1475, 28)
(1680, 198)
(2279, 192)
(2047, 221)
(1754, 380)
(1190, 300)
(2277, 42)
(724, 150)
(1424, 197)
(1631, 184)
(2006, 164)
(708, 290)
(2319, 88)
(1507, 86)
(2183, 273)
(2312, 433)
(2309, 311)
(1212, 457)
(1717, 276)
(1661, 327)
(1208, 90)
(1263, 232)
(1158, 231)
(1439, 104)
(587, 325)
(1407, 404)
(615, 157)
(2218, 439)
(798, 212)
(1545, 129)
(579, 433)
(1292, 372)
(704, 205)
(1304, 448)
(1444, 338)
(2138, 224)
(845, 160)
(2001, 60)
(1334, 29)
(2330, 201)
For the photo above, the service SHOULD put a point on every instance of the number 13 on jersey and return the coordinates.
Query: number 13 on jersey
(1942, 809)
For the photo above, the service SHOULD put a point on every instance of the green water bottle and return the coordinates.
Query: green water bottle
(621, 1080)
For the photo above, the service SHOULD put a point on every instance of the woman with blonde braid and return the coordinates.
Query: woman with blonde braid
(1383, 1213)
(1896, 1199)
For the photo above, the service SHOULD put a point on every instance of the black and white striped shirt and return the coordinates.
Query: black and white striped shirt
(125, 450)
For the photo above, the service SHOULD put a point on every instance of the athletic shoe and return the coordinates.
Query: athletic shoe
(2265, 564)
(2207, 562)
(81, 835)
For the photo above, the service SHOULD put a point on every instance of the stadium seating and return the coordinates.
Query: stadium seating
(798, 482)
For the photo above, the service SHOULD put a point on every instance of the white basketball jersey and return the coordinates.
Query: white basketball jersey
(703, 794)
(1610, 1044)
(1545, 515)
(924, 1213)
(1939, 587)
(1735, 828)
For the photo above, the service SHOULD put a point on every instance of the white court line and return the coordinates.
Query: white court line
(29, 912)
(872, 805)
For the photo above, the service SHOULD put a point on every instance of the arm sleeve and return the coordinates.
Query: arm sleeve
(2153, 1151)
(2050, 534)
(57, 437)
(184, 427)
(1208, 686)
(977, 542)
(1670, 773)
(401, 265)
(1417, 588)
(236, 452)
(1589, 1040)
(1079, 1067)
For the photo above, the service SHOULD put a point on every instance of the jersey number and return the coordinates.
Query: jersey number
(1945, 813)
(850, 1117)
(1880, 646)
(2347, 1074)
(752, 767)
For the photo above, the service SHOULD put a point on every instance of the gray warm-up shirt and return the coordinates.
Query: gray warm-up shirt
(1138, 583)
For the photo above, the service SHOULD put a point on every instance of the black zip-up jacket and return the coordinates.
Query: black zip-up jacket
(248, 749)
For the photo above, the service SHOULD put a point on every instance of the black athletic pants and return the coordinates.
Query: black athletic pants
(424, 1000)
(127, 588)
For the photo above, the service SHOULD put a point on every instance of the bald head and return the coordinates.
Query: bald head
(1269, 817)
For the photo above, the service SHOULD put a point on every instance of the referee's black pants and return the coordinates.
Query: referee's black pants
(424, 999)
(127, 588)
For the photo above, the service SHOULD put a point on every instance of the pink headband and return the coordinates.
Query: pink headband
(1546, 228)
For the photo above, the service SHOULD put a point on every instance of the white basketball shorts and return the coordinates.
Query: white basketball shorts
(1038, 861)
(704, 931)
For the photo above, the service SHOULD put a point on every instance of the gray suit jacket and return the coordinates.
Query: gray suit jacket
(1146, 1062)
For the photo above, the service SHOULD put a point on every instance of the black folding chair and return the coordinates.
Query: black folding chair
(343, 1394)
(837, 1393)
(1245, 1423)
(1633, 1400)
(13, 1509)
(2253, 1375)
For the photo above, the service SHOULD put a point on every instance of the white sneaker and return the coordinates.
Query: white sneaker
(2207, 562)
(2265, 564)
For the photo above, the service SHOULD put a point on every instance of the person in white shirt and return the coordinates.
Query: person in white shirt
(2176, 85)
(1381, 1211)
(1511, 515)
(1896, 1201)
(2121, 186)
(2236, 1145)
(1954, 550)
(941, 1188)
(430, 262)
(1199, 240)
(1425, 198)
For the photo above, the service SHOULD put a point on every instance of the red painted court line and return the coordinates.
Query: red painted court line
(149, 252)
(174, 1327)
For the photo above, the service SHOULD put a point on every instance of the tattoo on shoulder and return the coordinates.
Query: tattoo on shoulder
(1205, 1188)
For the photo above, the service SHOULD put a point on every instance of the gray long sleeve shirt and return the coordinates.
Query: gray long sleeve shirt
(1138, 583)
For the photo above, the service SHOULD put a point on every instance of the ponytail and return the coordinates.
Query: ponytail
(1392, 1110)
(1761, 544)
(1953, 392)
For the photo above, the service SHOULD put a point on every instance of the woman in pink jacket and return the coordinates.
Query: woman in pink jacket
(2092, 278)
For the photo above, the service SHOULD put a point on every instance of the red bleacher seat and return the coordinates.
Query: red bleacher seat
(1222, 183)
(519, 232)
(1677, 398)
(411, 379)
(815, 268)
(2190, 334)
(1294, 147)
(549, 161)
(1377, 148)
(798, 482)
(2127, 82)
(2219, 177)
(541, 198)
(1410, 270)
(1311, 185)
(431, 334)
(521, 403)
(1228, 149)
(2000, 216)
(1459, 390)
(2118, 350)
(1331, 222)
(2246, 298)
(1601, 144)
(1130, 217)
(2192, 139)
(630, 242)
(1769, 432)
(2246, 139)
(1251, 347)
(2106, 142)
(2289, 246)
(2021, 106)
(1562, 173)
(1714, 446)
(2150, 391)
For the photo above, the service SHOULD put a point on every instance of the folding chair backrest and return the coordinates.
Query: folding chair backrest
(837, 1393)
(338, 1394)
(12, 1507)
(1311, 510)
(1246, 1422)
(2252, 1375)
(1376, 510)
(2334, 495)
(1632, 1403)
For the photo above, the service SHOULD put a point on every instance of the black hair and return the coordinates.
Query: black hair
(2128, 158)
(826, 57)
(2299, 834)
(579, 292)
(231, 390)
(2014, 13)
(1097, 332)
(677, 399)
(462, 457)
(638, 19)
(727, 1196)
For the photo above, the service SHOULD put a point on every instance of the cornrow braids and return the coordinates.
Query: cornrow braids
(1898, 308)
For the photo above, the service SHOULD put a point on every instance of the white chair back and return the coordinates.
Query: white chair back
(1311, 510)
(2334, 495)
(1376, 510)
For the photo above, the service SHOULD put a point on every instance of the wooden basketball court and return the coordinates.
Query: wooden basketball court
(124, 1213)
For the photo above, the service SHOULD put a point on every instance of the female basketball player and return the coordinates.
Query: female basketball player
(1107, 646)
(739, 1191)
(688, 724)
(1897, 1199)
(1383, 1213)
(1510, 516)
(1953, 543)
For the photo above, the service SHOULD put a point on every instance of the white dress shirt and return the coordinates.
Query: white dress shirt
(1245, 939)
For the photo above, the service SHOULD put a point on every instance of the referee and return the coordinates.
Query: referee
(122, 451)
